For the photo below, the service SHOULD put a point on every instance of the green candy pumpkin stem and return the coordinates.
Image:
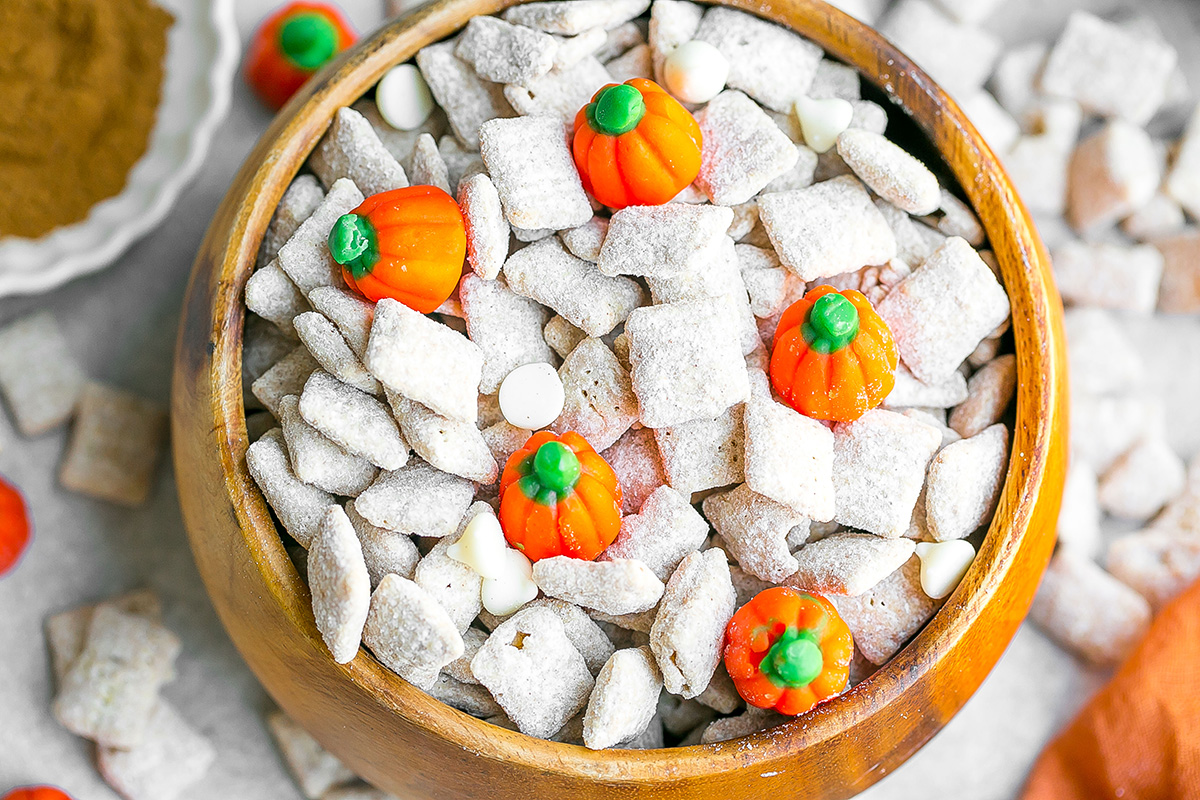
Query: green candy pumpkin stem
(552, 473)
(308, 41)
(794, 660)
(354, 244)
(616, 110)
(831, 325)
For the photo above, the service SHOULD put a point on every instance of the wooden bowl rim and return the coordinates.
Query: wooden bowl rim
(1022, 261)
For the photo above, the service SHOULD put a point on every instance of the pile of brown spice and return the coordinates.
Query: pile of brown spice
(79, 88)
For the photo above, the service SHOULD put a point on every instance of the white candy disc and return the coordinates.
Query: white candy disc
(481, 546)
(943, 565)
(531, 396)
(695, 72)
(513, 588)
(822, 121)
(403, 98)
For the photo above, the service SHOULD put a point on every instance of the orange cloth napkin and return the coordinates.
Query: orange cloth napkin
(1139, 738)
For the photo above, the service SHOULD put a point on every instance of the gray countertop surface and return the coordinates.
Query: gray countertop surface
(121, 325)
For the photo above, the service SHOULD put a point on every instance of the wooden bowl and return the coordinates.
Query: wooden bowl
(405, 742)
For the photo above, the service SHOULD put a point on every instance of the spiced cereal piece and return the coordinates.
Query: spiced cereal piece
(315, 769)
(661, 534)
(109, 693)
(593, 42)
(417, 499)
(616, 586)
(586, 241)
(467, 99)
(300, 507)
(964, 484)
(941, 312)
(600, 404)
(287, 377)
(915, 241)
(909, 392)
(689, 629)
(704, 454)
(340, 585)
(1088, 611)
(332, 352)
(1142, 480)
(469, 698)
(834, 79)
(575, 17)
(534, 672)
(384, 552)
(744, 149)
(1157, 563)
(885, 617)
(115, 446)
(506, 326)
(624, 699)
(348, 311)
(562, 336)
(1101, 355)
(617, 41)
(687, 363)
(409, 631)
(487, 230)
(461, 164)
(849, 563)
(424, 360)
(305, 258)
(318, 460)
(755, 530)
(503, 439)
(752, 720)
(891, 172)
(574, 288)
(635, 460)
(766, 61)
(505, 53)
(879, 464)
(299, 201)
(66, 632)
(452, 583)
(449, 445)
(1109, 70)
(584, 633)
(271, 294)
(426, 166)
(1113, 172)
(351, 149)
(460, 668)
(1104, 426)
(789, 457)
(358, 422)
(39, 377)
(1109, 275)
(400, 142)
(672, 23)
(528, 160)
(771, 288)
(989, 393)
(1079, 516)
(1183, 179)
(637, 62)
(826, 229)
(172, 757)
(959, 57)
(664, 240)
(800, 176)
(560, 93)
(1179, 291)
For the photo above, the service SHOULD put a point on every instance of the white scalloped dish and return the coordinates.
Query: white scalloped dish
(202, 56)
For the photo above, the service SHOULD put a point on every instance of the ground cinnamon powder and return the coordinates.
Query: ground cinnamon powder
(79, 88)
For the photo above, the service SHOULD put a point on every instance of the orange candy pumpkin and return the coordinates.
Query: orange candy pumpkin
(635, 145)
(407, 244)
(558, 497)
(833, 358)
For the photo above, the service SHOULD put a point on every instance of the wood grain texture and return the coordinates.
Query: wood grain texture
(409, 744)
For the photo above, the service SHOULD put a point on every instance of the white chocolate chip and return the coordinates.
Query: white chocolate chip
(532, 396)
(695, 72)
(943, 565)
(481, 546)
(403, 98)
(513, 587)
(823, 120)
